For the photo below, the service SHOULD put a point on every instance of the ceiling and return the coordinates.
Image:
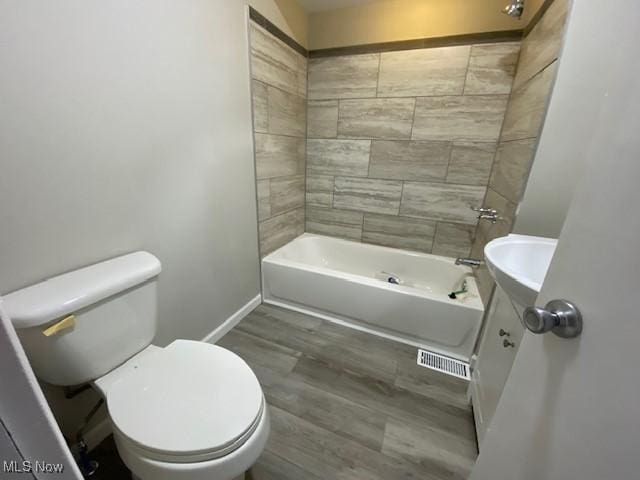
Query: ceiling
(320, 5)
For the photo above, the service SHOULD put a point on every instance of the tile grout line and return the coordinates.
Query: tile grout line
(450, 143)
(466, 73)
(378, 74)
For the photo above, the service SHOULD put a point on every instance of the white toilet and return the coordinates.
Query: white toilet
(191, 410)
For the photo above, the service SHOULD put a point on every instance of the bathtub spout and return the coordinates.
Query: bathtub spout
(469, 262)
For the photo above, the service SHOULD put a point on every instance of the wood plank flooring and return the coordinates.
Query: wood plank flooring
(351, 406)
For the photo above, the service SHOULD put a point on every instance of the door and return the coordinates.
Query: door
(28, 431)
(571, 408)
(496, 353)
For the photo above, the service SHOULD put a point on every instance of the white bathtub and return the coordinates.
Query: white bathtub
(343, 281)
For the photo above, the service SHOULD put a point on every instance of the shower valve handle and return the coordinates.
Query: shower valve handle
(489, 211)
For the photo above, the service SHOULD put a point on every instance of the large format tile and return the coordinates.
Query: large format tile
(287, 193)
(334, 222)
(488, 231)
(354, 76)
(542, 45)
(367, 195)
(398, 232)
(511, 168)
(278, 156)
(287, 113)
(439, 201)
(280, 230)
(320, 190)
(259, 96)
(528, 106)
(422, 73)
(302, 74)
(471, 163)
(409, 160)
(384, 118)
(491, 68)
(272, 61)
(474, 118)
(453, 239)
(322, 118)
(338, 157)
(264, 199)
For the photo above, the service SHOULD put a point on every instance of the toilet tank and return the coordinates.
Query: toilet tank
(79, 326)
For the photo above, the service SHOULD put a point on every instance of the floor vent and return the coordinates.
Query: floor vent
(443, 364)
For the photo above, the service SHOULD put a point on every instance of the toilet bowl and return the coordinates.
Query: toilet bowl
(191, 410)
(188, 411)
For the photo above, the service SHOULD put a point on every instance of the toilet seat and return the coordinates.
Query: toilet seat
(189, 402)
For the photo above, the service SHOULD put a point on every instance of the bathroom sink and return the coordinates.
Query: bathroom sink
(519, 263)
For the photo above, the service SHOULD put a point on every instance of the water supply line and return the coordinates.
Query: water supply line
(87, 466)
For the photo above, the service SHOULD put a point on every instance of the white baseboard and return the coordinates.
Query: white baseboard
(233, 320)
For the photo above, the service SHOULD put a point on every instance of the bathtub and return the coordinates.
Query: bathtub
(349, 283)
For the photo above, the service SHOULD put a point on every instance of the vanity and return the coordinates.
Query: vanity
(518, 264)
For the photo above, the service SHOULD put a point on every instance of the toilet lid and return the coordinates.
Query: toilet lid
(192, 399)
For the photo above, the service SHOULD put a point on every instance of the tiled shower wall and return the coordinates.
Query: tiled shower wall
(279, 89)
(400, 144)
(523, 121)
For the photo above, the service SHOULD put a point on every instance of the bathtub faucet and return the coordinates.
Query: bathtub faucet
(469, 262)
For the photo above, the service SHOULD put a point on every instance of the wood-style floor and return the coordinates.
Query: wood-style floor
(344, 405)
(351, 406)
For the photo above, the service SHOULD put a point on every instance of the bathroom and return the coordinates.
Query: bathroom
(307, 239)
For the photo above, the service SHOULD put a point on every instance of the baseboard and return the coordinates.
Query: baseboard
(233, 320)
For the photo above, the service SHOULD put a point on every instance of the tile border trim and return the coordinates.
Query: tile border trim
(270, 27)
(420, 43)
(537, 17)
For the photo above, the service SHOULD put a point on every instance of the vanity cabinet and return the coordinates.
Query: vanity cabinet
(496, 352)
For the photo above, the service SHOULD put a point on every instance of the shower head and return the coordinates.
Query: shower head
(514, 9)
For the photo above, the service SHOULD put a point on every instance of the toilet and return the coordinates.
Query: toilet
(188, 411)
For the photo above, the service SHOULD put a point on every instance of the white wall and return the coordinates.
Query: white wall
(124, 126)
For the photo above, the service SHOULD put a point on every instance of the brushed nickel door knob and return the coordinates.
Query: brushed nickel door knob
(558, 316)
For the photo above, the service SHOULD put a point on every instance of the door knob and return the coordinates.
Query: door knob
(504, 333)
(506, 344)
(558, 316)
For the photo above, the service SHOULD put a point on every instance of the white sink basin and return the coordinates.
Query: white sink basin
(519, 263)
